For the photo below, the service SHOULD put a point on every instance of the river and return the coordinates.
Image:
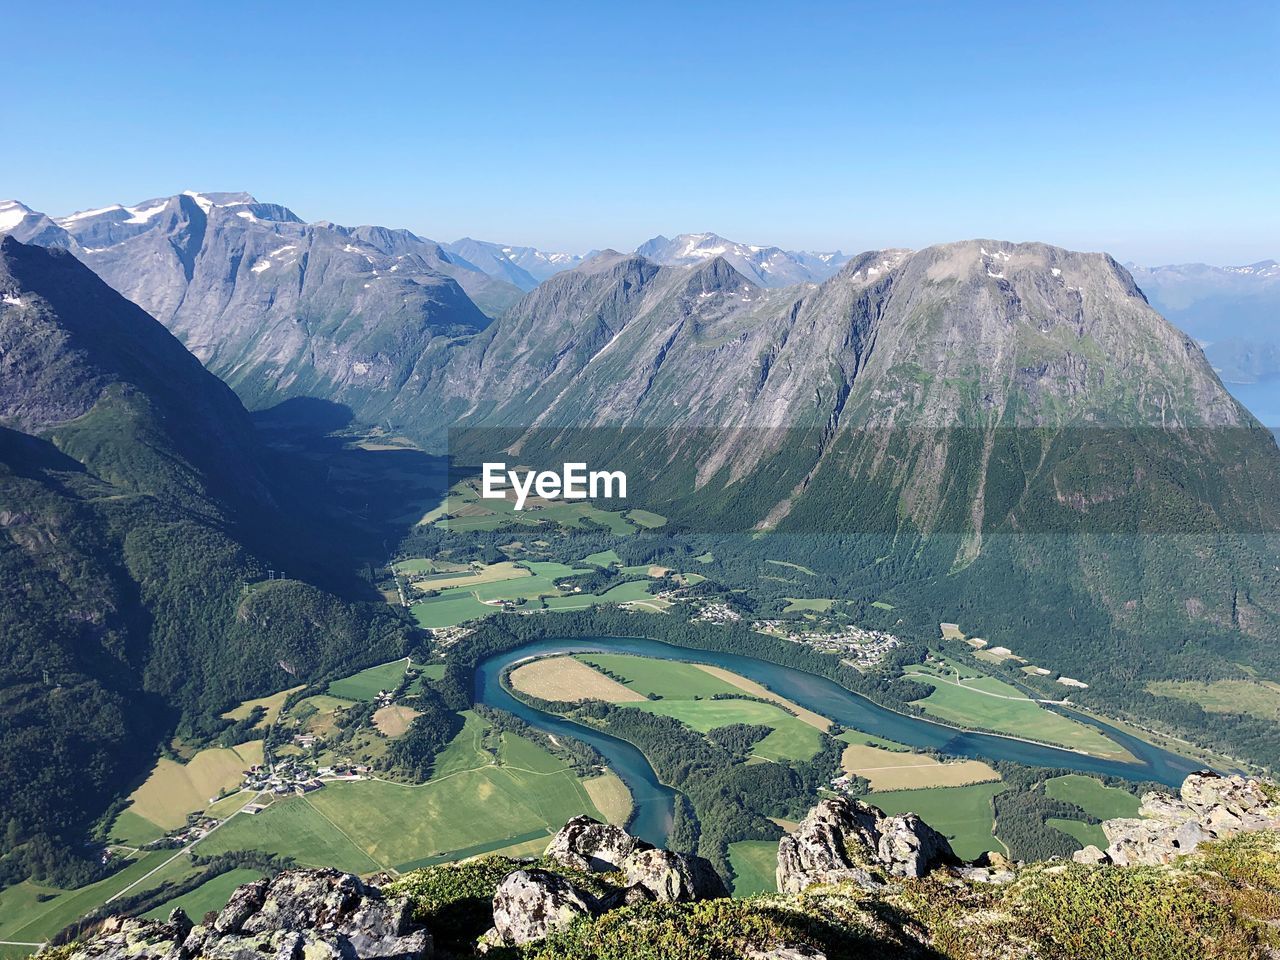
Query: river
(654, 800)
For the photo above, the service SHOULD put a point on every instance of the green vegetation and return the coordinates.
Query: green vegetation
(801, 605)
(669, 679)
(210, 895)
(986, 703)
(754, 864)
(790, 739)
(1257, 698)
(372, 825)
(646, 518)
(1083, 833)
(1220, 905)
(366, 684)
(33, 912)
(1092, 796)
(963, 814)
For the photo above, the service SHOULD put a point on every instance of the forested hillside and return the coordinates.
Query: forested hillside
(135, 602)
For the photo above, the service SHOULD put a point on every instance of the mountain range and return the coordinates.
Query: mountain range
(968, 393)
(765, 266)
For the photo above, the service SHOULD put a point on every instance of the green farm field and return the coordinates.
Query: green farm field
(1084, 833)
(685, 692)
(366, 684)
(210, 895)
(791, 739)
(802, 605)
(963, 814)
(1256, 698)
(32, 913)
(991, 704)
(672, 679)
(1093, 796)
(754, 864)
(373, 825)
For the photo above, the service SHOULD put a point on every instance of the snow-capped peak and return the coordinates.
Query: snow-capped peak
(13, 213)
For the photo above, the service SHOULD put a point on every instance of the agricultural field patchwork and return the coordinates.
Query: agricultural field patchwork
(371, 825)
(366, 684)
(174, 790)
(483, 590)
(705, 698)
(270, 704)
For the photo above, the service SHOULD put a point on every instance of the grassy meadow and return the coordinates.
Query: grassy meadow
(754, 864)
(970, 700)
(963, 814)
(370, 825)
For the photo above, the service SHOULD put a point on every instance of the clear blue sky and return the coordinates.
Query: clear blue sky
(1146, 129)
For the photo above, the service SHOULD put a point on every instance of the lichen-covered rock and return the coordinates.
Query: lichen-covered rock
(1230, 804)
(1090, 854)
(530, 904)
(305, 900)
(797, 952)
(1208, 807)
(848, 841)
(673, 877)
(587, 844)
(124, 938)
(299, 915)
(246, 900)
(909, 847)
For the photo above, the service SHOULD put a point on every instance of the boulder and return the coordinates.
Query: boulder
(587, 844)
(848, 841)
(800, 951)
(1208, 806)
(246, 900)
(672, 877)
(305, 900)
(384, 930)
(1132, 840)
(909, 847)
(1090, 855)
(529, 904)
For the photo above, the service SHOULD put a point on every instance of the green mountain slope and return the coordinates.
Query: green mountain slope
(134, 503)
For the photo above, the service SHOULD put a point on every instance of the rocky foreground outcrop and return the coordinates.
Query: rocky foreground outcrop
(530, 904)
(1209, 807)
(853, 882)
(848, 841)
(299, 915)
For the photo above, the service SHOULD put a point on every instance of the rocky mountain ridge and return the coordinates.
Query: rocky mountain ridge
(852, 882)
(280, 308)
(767, 266)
